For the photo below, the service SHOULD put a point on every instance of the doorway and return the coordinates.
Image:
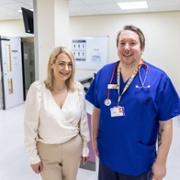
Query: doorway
(28, 63)
(11, 72)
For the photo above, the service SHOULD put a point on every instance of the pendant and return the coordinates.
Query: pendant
(107, 102)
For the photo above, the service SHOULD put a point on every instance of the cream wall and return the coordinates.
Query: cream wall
(13, 28)
(50, 17)
(161, 31)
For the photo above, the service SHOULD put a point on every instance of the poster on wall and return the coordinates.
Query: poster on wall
(79, 49)
(90, 52)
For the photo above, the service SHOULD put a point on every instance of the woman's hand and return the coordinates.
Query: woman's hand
(84, 159)
(37, 168)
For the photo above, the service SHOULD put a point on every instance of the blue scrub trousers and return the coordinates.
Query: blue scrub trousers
(107, 174)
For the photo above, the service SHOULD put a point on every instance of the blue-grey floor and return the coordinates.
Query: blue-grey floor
(14, 164)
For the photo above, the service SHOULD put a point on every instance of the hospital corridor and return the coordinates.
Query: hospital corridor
(15, 166)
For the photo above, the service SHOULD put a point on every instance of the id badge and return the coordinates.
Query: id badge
(112, 86)
(117, 111)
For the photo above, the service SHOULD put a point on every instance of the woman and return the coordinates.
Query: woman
(56, 128)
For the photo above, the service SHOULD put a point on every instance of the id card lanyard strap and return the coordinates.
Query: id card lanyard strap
(127, 84)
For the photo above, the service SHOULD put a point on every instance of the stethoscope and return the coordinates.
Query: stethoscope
(140, 76)
(107, 101)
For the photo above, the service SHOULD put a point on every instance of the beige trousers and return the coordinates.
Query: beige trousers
(60, 161)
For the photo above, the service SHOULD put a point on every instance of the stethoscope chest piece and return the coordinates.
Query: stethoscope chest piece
(107, 102)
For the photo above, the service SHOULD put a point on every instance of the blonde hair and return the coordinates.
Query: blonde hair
(49, 82)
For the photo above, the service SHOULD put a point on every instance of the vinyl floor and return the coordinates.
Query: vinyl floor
(14, 164)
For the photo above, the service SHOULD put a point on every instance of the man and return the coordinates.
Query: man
(134, 103)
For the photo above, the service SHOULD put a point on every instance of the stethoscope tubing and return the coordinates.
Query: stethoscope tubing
(112, 77)
(140, 77)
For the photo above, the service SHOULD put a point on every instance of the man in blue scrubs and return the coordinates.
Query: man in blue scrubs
(134, 103)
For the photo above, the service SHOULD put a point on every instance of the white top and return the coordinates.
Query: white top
(45, 121)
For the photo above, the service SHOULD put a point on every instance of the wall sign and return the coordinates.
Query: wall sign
(90, 52)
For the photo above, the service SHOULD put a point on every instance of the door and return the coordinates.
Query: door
(12, 80)
(29, 64)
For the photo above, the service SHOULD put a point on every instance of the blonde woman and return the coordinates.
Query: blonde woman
(56, 127)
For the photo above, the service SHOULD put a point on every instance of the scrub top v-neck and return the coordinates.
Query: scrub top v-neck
(127, 144)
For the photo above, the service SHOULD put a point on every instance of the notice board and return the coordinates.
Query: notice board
(90, 52)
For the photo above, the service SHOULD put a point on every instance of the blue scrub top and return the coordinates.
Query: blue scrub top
(127, 144)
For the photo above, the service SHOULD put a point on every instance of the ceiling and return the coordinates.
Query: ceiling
(9, 8)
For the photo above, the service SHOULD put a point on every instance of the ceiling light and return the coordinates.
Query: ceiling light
(133, 5)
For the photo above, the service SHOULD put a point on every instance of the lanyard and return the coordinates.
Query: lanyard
(107, 101)
(127, 84)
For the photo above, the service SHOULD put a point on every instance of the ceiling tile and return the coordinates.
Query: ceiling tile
(9, 8)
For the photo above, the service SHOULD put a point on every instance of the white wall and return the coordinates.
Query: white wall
(161, 31)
